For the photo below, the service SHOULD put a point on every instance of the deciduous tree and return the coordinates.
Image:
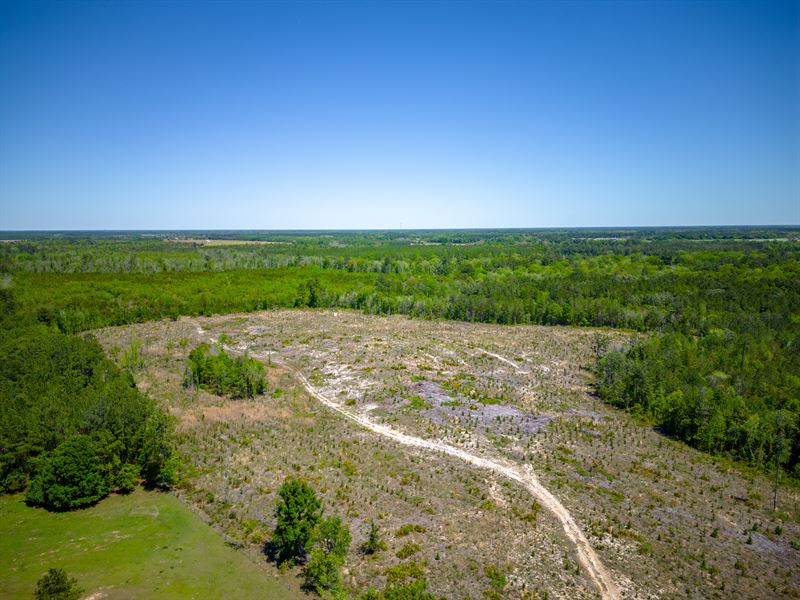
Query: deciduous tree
(298, 511)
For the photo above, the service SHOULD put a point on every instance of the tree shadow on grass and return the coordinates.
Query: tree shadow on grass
(273, 554)
(270, 551)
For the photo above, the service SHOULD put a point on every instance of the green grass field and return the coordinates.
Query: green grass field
(145, 545)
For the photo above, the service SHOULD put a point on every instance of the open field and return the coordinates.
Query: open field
(144, 545)
(665, 520)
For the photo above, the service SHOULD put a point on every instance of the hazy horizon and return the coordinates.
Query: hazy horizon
(611, 228)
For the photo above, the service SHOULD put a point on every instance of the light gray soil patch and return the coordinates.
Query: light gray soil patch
(459, 410)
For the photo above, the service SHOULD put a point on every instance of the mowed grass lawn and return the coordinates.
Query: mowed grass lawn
(144, 545)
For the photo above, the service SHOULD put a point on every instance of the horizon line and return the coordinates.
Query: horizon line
(403, 229)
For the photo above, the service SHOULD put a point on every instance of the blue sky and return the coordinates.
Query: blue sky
(409, 114)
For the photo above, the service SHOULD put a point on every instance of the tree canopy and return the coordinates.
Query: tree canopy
(71, 420)
(70, 476)
(215, 371)
(298, 511)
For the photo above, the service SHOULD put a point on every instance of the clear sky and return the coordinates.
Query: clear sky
(387, 115)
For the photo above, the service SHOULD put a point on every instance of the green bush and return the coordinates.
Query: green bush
(495, 576)
(57, 585)
(403, 571)
(14, 480)
(70, 476)
(333, 537)
(408, 550)
(404, 530)
(374, 541)
(298, 511)
(301, 531)
(126, 478)
(415, 590)
(321, 573)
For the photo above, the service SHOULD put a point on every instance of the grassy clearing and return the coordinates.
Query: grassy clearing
(145, 545)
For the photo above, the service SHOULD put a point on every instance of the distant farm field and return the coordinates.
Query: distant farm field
(145, 545)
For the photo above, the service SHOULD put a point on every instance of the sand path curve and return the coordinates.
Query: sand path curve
(587, 558)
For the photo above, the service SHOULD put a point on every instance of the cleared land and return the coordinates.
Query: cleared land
(585, 554)
(145, 545)
(665, 520)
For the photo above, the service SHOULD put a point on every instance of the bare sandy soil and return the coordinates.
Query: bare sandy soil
(451, 426)
(587, 557)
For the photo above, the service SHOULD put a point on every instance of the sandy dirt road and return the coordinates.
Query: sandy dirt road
(588, 559)
(500, 358)
(590, 563)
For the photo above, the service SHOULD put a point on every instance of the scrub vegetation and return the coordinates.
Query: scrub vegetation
(663, 517)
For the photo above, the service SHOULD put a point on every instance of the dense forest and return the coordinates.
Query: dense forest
(73, 426)
(719, 366)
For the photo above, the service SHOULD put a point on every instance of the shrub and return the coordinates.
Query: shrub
(408, 550)
(70, 476)
(57, 585)
(495, 576)
(133, 359)
(374, 541)
(418, 403)
(416, 590)
(333, 537)
(298, 512)
(321, 573)
(404, 530)
(127, 478)
(15, 480)
(403, 571)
